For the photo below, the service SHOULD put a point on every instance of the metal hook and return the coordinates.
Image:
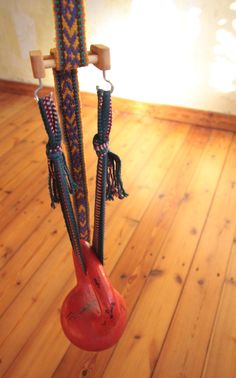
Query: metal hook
(37, 90)
(108, 81)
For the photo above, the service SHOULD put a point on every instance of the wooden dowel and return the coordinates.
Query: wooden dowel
(49, 63)
(93, 59)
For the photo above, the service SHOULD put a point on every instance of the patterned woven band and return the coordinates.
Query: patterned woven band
(66, 83)
(71, 51)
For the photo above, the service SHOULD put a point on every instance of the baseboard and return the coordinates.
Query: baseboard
(166, 112)
(19, 88)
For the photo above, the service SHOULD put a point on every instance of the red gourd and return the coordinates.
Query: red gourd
(93, 315)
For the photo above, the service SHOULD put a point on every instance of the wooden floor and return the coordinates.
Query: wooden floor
(170, 250)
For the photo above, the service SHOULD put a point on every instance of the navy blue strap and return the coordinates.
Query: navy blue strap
(61, 184)
(108, 179)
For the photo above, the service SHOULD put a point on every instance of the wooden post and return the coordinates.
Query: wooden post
(38, 68)
(103, 53)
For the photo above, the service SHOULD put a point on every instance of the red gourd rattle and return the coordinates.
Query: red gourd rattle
(93, 314)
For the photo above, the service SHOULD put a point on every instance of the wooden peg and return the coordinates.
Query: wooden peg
(38, 68)
(103, 53)
(49, 61)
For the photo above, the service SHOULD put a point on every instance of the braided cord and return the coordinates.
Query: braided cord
(100, 142)
(61, 184)
(108, 179)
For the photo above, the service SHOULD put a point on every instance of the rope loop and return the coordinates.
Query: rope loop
(100, 147)
(53, 151)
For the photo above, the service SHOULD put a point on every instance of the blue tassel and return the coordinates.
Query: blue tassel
(59, 158)
(114, 187)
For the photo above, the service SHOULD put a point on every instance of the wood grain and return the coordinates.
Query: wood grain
(221, 355)
(194, 316)
(170, 246)
(165, 278)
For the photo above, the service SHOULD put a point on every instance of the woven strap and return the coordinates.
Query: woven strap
(60, 181)
(108, 179)
(69, 104)
(71, 51)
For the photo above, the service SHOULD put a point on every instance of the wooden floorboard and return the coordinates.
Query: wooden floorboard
(170, 249)
(194, 316)
(163, 287)
(221, 354)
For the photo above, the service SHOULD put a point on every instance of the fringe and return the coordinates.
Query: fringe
(114, 184)
(58, 157)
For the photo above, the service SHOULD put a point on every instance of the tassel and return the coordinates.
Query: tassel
(57, 157)
(72, 186)
(114, 187)
(52, 184)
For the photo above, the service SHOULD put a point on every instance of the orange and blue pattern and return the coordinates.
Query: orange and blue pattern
(67, 89)
(71, 50)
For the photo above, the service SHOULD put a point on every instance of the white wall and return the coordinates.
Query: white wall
(179, 52)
